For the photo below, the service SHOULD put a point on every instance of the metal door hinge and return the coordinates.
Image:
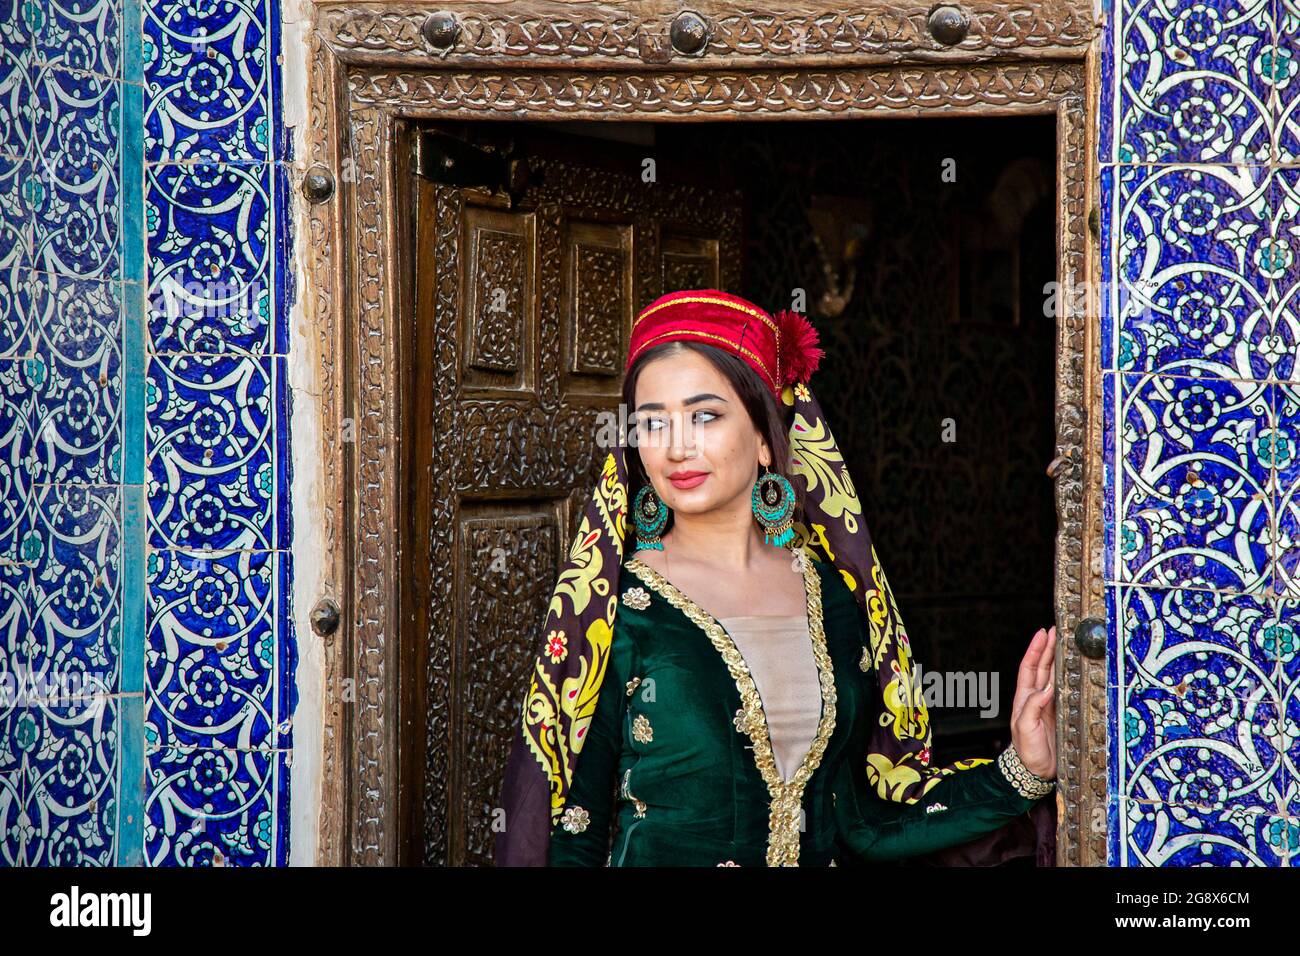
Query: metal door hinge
(450, 161)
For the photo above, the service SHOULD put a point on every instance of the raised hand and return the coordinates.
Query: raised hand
(1033, 711)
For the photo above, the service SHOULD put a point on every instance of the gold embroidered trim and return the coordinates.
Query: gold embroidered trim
(707, 335)
(628, 795)
(787, 796)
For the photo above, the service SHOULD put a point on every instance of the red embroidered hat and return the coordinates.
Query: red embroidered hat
(781, 349)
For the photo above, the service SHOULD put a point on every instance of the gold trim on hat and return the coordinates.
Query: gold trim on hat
(708, 335)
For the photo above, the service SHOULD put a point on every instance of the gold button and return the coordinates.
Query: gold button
(642, 732)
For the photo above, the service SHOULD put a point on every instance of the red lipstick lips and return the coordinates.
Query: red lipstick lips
(687, 479)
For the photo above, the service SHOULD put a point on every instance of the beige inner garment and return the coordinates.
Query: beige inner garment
(778, 650)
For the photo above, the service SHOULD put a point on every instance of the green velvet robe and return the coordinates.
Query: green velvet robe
(672, 764)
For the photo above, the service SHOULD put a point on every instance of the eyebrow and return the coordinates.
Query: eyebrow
(693, 400)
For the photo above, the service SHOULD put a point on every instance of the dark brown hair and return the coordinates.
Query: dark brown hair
(770, 417)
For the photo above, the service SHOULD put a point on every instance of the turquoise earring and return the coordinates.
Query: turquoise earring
(650, 515)
(773, 503)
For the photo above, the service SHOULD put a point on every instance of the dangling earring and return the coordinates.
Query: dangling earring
(650, 515)
(773, 503)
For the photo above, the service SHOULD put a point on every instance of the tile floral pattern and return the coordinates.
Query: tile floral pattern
(144, 567)
(144, 447)
(1200, 217)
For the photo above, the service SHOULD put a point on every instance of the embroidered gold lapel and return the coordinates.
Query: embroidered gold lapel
(787, 796)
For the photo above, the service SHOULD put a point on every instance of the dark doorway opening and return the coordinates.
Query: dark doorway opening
(939, 381)
(923, 251)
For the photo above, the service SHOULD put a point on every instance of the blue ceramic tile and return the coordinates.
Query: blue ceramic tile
(70, 781)
(283, 791)
(211, 452)
(1189, 270)
(132, 199)
(13, 585)
(76, 190)
(213, 652)
(1197, 642)
(1283, 641)
(17, 100)
(1195, 507)
(1107, 94)
(18, 191)
(1112, 384)
(131, 786)
(1115, 633)
(15, 685)
(283, 415)
(1285, 449)
(16, 318)
(15, 532)
(285, 292)
(30, 20)
(1107, 301)
(14, 33)
(1198, 747)
(13, 824)
(1170, 835)
(15, 450)
(84, 35)
(212, 807)
(19, 729)
(1289, 733)
(1286, 84)
(1282, 271)
(1113, 758)
(208, 81)
(1195, 82)
(209, 258)
(286, 655)
(76, 413)
(73, 590)
(78, 254)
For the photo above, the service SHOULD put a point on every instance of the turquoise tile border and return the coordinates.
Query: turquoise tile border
(131, 783)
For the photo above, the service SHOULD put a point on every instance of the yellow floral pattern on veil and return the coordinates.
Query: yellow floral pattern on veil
(816, 457)
(556, 720)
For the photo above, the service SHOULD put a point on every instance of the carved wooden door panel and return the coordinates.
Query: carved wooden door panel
(521, 323)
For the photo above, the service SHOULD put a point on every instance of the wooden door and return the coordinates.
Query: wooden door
(523, 311)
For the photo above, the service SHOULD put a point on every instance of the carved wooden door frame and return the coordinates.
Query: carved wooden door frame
(375, 67)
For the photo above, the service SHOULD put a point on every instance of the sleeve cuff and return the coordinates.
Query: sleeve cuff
(1020, 778)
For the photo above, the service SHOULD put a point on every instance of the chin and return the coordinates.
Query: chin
(688, 502)
(696, 501)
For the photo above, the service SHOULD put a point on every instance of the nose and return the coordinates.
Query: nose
(682, 445)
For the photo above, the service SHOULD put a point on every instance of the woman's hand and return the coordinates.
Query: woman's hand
(1033, 711)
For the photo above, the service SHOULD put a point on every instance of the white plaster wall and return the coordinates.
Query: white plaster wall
(305, 441)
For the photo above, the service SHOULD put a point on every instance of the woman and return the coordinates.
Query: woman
(737, 683)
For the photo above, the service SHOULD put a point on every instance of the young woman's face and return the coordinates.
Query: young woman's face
(697, 443)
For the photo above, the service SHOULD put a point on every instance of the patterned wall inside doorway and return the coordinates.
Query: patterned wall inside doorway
(1201, 325)
(144, 457)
